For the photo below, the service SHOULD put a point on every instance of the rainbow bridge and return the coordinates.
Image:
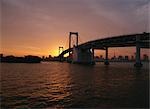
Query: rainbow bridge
(84, 53)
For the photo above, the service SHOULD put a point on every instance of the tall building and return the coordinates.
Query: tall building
(1, 55)
(43, 57)
(145, 57)
(126, 58)
(132, 57)
(49, 56)
(120, 57)
(101, 56)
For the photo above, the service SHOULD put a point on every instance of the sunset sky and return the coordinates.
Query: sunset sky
(39, 27)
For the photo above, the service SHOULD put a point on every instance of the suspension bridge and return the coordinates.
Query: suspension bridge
(84, 53)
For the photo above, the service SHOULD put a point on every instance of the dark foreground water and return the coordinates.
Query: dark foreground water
(56, 84)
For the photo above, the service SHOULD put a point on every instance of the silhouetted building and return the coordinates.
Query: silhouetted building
(57, 58)
(120, 57)
(145, 57)
(32, 59)
(114, 58)
(1, 55)
(50, 57)
(132, 58)
(101, 56)
(43, 57)
(96, 57)
(26, 59)
(126, 58)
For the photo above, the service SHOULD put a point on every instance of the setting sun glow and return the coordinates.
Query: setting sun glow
(39, 27)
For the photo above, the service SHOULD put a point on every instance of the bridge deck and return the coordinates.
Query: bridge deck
(115, 41)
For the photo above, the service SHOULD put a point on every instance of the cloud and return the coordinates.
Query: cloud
(30, 21)
(126, 13)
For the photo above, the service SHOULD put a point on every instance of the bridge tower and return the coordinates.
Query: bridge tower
(61, 49)
(70, 35)
(79, 55)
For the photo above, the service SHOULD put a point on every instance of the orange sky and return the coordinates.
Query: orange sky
(39, 27)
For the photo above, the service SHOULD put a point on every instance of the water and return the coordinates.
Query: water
(57, 85)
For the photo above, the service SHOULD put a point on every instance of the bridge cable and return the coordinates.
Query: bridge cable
(66, 43)
(80, 40)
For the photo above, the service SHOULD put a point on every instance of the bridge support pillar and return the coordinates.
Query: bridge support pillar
(61, 58)
(83, 56)
(106, 62)
(138, 59)
(93, 53)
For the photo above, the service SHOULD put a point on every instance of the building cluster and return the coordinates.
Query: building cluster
(50, 58)
(25, 59)
(145, 57)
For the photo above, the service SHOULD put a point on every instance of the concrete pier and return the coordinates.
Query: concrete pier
(106, 57)
(138, 53)
(82, 56)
